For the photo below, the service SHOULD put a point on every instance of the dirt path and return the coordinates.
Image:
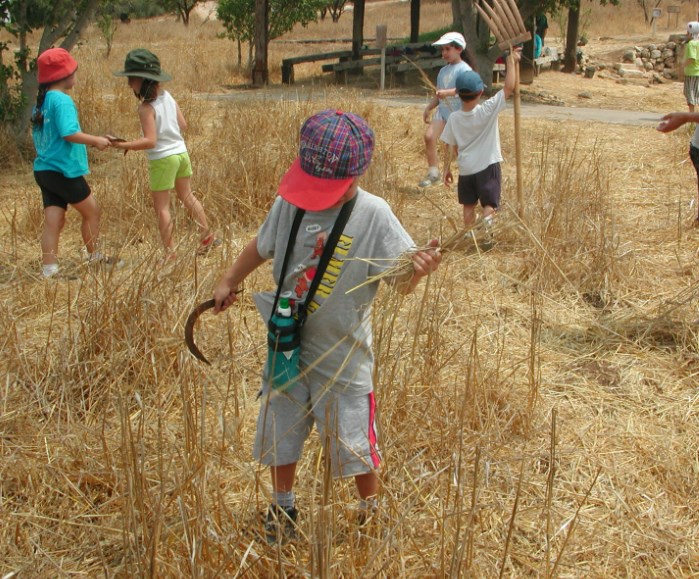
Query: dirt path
(529, 110)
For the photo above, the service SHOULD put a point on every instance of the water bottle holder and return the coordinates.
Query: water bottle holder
(285, 338)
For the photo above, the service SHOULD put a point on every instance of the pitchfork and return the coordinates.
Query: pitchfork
(505, 21)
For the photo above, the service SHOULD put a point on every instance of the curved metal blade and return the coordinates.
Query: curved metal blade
(189, 329)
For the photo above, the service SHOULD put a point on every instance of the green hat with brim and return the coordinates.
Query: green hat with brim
(143, 63)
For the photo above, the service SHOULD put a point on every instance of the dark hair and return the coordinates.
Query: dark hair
(38, 115)
(468, 96)
(149, 90)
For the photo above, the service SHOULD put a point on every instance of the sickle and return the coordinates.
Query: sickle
(189, 329)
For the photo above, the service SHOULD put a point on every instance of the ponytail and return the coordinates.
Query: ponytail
(149, 90)
(38, 115)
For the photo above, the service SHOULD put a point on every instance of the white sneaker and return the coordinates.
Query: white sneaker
(429, 180)
(106, 260)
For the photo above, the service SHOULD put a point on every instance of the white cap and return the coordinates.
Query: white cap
(693, 28)
(450, 37)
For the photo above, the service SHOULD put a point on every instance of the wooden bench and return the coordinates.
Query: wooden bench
(288, 63)
(398, 70)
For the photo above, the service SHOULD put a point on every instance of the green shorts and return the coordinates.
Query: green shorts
(164, 172)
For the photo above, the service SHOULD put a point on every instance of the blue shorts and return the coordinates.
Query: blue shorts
(57, 190)
(164, 172)
(483, 186)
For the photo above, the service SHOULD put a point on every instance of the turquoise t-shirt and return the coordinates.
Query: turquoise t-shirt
(53, 152)
(691, 50)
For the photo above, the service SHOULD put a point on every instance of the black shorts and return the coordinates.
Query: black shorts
(59, 191)
(694, 156)
(483, 186)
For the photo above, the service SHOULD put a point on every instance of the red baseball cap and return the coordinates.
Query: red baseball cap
(55, 64)
(335, 148)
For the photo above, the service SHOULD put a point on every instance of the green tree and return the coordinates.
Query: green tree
(183, 8)
(57, 20)
(238, 18)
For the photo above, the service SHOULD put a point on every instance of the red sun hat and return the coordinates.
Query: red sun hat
(335, 148)
(55, 64)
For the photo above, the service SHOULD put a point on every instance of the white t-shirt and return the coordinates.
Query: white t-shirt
(336, 340)
(476, 135)
(169, 140)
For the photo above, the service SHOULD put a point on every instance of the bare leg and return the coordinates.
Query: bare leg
(192, 204)
(54, 220)
(691, 108)
(367, 485)
(283, 477)
(432, 134)
(161, 205)
(469, 215)
(90, 228)
(488, 210)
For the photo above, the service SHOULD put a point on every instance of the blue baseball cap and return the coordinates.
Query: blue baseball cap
(469, 82)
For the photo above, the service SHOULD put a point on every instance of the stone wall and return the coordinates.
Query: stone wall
(659, 58)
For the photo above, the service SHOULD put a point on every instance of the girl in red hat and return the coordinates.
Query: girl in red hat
(61, 163)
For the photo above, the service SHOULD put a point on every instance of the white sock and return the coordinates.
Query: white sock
(49, 269)
(433, 171)
(284, 499)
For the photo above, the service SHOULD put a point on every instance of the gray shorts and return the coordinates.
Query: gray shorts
(345, 424)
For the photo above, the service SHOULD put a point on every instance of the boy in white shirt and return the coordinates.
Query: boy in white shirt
(474, 132)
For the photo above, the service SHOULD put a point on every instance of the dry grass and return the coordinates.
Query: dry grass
(538, 403)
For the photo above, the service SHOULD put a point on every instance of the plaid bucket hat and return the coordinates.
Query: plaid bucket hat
(144, 64)
(335, 148)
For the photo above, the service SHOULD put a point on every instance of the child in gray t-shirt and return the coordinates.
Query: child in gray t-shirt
(334, 391)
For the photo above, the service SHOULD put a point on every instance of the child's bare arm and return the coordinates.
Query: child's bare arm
(81, 138)
(510, 76)
(424, 263)
(182, 123)
(146, 115)
(448, 177)
(673, 121)
(226, 291)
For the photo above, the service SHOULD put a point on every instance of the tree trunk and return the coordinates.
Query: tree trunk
(260, 71)
(570, 56)
(357, 29)
(414, 20)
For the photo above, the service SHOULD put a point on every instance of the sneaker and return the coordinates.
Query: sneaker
(280, 525)
(429, 180)
(107, 260)
(208, 243)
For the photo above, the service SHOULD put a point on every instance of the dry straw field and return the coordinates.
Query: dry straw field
(539, 408)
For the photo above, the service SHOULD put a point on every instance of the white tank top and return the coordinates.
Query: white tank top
(169, 140)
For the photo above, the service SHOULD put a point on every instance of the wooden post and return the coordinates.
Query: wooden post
(260, 71)
(357, 29)
(518, 145)
(414, 20)
(381, 41)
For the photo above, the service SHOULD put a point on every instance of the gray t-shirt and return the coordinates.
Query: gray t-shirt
(336, 340)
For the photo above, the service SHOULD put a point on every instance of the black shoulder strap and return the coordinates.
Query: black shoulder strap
(289, 247)
(328, 252)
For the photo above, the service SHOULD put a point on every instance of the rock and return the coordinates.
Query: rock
(585, 95)
(668, 53)
(639, 62)
(645, 53)
(649, 65)
(655, 54)
(629, 56)
(631, 73)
